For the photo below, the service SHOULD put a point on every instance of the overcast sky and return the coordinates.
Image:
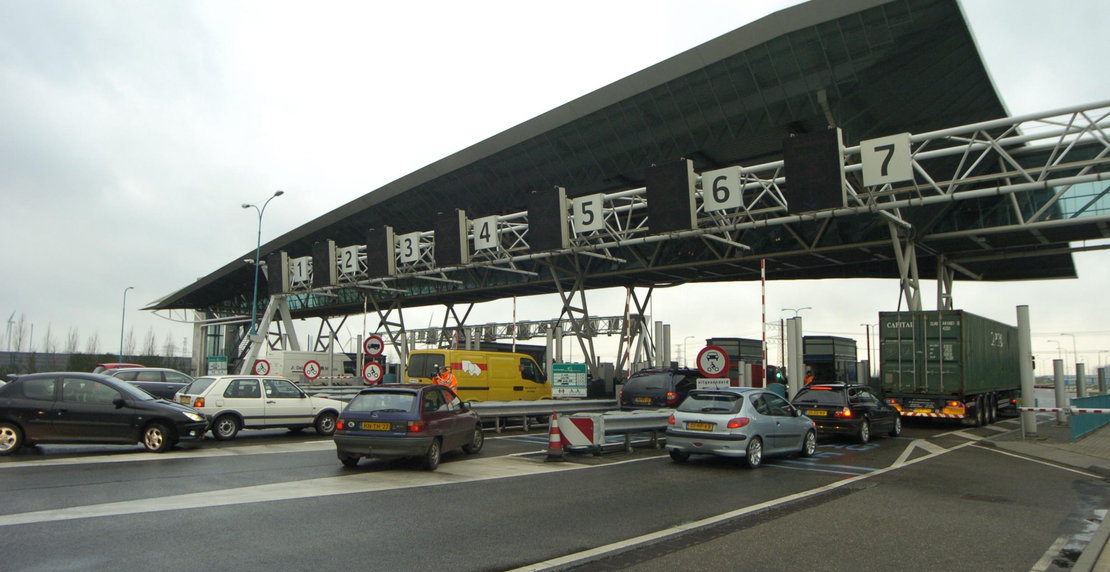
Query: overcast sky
(131, 132)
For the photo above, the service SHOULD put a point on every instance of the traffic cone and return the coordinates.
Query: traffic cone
(554, 440)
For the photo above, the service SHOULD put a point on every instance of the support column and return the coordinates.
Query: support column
(1081, 380)
(1025, 359)
(1061, 390)
(795, 368)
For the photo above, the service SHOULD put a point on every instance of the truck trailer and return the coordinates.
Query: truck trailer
(949, 365)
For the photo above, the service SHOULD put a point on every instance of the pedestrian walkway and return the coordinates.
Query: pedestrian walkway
(1052, 443)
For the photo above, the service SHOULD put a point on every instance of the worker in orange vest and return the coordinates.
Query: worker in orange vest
(446, 378)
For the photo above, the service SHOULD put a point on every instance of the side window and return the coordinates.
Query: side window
(433, 401)
(777, 405)
(453, 402)
(147, 376)
(529, 370)
(760, 404)
(685, 384)
(281, 388)
(41, 389)
(242, 389)
(127, 375)
(173, 376)
(77, 390)
(866, 397)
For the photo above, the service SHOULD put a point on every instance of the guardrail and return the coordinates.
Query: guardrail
(590, 431)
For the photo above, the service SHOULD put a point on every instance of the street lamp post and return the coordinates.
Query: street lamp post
(685, 351)
(122, 319)
(1073, 350)
(867, 336)
(257, 253)
(796, 310)
(1059, 349)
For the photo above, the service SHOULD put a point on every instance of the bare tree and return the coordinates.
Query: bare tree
(169, 349)
(92, 346)
(73, 340)
(150, 346)
(49, 342)
(129, 342)
(20, 333)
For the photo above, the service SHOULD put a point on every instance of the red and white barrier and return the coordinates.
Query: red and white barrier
(1068, 410)
(582, 430)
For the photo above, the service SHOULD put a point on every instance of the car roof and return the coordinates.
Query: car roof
(736, 390)
(832, 385)
(395, 386)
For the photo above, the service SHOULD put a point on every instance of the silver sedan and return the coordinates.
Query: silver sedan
(740, 422)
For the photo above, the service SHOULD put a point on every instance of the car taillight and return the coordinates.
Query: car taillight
(844, 412)
(738, 422)
(199, 402)
(415, 426)
(670, 419)
(340, 425)
(671, 397)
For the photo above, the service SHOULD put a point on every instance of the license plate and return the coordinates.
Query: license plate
(184, 400)
(816, 413)
(643, 400)
(695, 426)
(375, 426)
(922, 410)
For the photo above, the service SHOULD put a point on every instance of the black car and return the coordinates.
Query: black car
(655, 388)
(846, 409)
(90, 408)
(157, 381)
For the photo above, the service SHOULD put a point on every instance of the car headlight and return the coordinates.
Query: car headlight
(193, 416)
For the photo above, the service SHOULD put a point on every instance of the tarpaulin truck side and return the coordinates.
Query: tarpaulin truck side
(948, 364)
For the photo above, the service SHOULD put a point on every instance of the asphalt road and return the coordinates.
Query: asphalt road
(932, 499)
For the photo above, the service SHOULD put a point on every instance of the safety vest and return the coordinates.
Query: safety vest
(448, 379)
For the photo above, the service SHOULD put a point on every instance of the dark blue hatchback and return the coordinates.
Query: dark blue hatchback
(406, 420)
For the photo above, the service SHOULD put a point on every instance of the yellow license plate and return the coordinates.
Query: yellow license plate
(643, 400)
(695, 426)
(922, 410)
(816, 413)
(372, 426)
(184, 400)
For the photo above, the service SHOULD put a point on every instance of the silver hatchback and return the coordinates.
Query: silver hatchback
(740, 422)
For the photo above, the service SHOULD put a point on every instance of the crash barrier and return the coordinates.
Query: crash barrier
(1087, 413)
(590, 431)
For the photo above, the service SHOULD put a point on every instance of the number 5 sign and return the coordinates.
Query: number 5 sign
(886, 160)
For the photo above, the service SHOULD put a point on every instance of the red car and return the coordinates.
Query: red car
(406, 420)
(102, 367)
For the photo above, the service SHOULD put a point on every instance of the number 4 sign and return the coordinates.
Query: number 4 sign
(886, 160)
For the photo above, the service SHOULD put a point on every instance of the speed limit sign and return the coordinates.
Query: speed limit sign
(311, 369)
(372, 372)
(713, 361)
(261, 367)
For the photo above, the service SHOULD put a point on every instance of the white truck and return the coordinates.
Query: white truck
(308, 368)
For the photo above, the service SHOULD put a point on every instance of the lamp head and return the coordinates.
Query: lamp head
(246, 206)
(279, 193)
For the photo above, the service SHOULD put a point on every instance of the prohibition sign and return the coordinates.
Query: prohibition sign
(713, 361)
(261, 367)
(373, 345)
(372, 372)
(311, 369)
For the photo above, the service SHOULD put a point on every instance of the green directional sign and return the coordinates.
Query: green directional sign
(568, 380)
(217, 365)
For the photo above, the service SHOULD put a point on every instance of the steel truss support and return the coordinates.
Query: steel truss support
(579, 316)
(636, 333)
(906, 254)
(945, 275)
(457, 330)
(325, 341)
(278, 305)
(394, 329)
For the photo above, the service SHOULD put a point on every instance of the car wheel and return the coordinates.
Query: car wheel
(809, 444)
(431, 458)
(476, 440)
(157, 438)
(225, 427)
(349, 460)
(896, 429)
(679, 456)
(325, 423)
(754, 458)
(864, 434)
(11, 438)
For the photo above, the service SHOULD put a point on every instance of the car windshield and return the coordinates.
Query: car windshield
(653, 382)
(383, 401)
(712, 402)
(198, 386)
(831, 397)
(132, 392)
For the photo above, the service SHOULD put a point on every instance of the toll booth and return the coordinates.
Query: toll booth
(742, 349)
(830, 358)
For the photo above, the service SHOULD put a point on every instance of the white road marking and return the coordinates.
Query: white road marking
(1049, 555)
(131, 457)
(998, 429)
(1045, 463)
(448, 473)
(930, 448)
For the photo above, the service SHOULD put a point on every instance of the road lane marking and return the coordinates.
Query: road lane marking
(930, 449)
(620, 546)
(131, 457)
(448, 473)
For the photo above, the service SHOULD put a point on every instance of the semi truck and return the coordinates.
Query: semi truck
(948, 364)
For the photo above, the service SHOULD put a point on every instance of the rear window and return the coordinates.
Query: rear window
(423, 365)
(198, 386)
(712, 402)
(649, 382)
(833, 397)
(383, 401)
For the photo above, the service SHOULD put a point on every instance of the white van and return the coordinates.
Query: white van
(484, 376)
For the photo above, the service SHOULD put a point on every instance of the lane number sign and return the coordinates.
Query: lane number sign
(372, 372)
(713, 361)
(588, 215)
(311, 369)
(373, 345)
(720, 189)
(886, 160)
(409, 245)
(485, 232)
(261, 367)
(348, 260)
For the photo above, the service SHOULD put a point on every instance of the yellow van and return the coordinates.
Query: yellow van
(484, 376)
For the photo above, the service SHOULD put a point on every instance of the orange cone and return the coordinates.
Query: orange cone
(554, 440)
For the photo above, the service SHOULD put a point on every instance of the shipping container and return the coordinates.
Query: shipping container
(742, 349)
(830, 358)
(948, 364)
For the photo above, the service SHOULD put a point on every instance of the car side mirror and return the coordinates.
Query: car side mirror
(465, 406)
(796, 412)
(119, 403)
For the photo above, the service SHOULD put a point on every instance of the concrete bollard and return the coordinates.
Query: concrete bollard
(1061, 390)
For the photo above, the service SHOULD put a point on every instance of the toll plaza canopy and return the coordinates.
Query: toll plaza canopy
(870, 68)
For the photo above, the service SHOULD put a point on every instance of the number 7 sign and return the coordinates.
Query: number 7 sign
(886, 160)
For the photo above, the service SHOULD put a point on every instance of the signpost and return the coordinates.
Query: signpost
(261, 367)
(713, 361)
(217, 365)
(568, 380)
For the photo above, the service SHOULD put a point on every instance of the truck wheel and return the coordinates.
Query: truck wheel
(864, 434)
(993, 409)
(980, 413)
(754, 458)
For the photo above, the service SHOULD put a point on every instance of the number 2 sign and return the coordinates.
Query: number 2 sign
(886, 160)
